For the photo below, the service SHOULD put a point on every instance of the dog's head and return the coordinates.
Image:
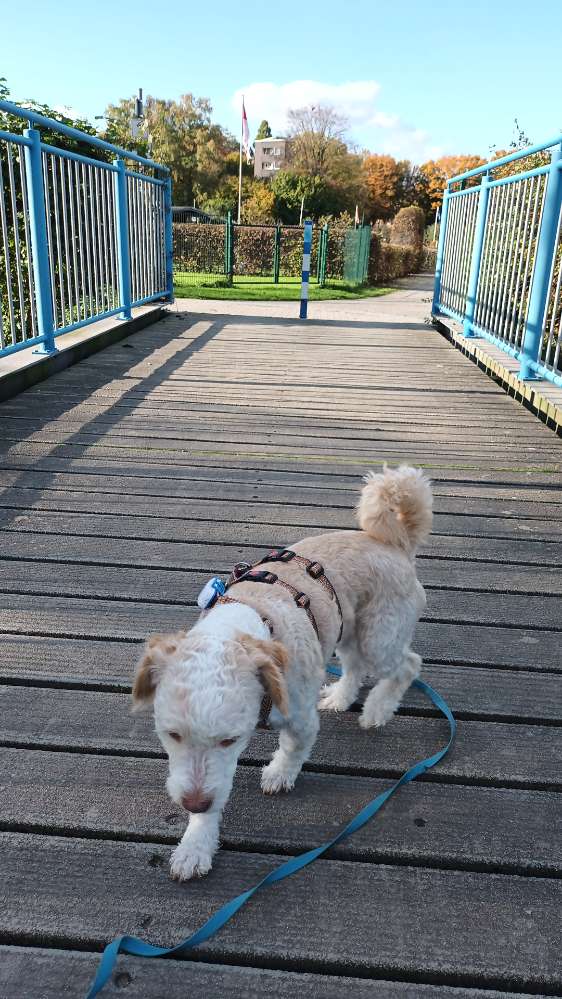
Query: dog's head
(206, 691)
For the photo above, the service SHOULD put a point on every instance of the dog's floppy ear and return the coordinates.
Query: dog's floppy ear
(157, 652)
(270, 659)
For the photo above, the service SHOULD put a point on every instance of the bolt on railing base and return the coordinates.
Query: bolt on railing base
(44, 350)
(469, 332)
(527, 374)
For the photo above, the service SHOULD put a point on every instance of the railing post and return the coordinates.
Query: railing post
(169, 239)
(440, 254)
(39, 245)
(123, 252)
(477, 247)
(277, 254)
(546, 250)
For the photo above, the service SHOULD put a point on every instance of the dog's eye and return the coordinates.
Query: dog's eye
(225, 743)
(175, 736)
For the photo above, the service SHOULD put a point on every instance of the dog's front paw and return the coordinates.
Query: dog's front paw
(335, 697)
(378, 712)
(188, 862)
(273, 780)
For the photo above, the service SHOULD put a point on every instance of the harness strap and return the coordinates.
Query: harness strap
(243, 572)
(314, 569)
(133, 945)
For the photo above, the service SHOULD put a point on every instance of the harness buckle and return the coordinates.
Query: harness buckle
(315, 570)
(240, 569)
(302, 600)
(279, 555)
(261, 576)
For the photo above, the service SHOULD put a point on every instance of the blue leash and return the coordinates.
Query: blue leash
(132, 945)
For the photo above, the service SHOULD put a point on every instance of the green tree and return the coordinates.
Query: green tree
(181, 135)
(264, 131)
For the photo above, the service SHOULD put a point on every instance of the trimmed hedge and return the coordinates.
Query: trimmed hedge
(388, 262)
(408, 228)
(199, 248)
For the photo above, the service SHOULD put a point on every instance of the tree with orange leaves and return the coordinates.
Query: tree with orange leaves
(384, 178)
(437, 172)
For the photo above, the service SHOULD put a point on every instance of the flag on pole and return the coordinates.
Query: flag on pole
(246, 135)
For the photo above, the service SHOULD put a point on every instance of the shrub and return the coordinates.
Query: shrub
(388, 262)
(408, 228)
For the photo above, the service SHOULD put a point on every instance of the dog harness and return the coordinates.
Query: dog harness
(243, 572)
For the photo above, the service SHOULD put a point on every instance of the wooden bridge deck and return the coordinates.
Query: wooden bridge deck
(131, 477)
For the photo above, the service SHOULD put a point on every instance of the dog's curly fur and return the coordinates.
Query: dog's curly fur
(207, 684)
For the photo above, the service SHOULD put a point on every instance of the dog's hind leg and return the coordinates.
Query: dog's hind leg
(384, 699)
(340, 695)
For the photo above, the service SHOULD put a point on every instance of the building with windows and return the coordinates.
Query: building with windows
(270, 155)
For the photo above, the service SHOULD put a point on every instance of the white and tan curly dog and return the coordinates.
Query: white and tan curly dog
(207, 684)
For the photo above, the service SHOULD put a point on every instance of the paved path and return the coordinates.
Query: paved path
(204, 439)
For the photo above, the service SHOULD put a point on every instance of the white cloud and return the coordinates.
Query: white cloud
(68, 112)
(371, 127)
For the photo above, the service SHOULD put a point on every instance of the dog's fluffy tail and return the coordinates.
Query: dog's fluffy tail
(395, 507)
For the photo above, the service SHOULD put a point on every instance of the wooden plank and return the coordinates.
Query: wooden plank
(180, 480)
(182, 587)
(177, 516)
(176, 417)
(427, 911)
(32, 973)
(431, 825)
(23, 534)
(326, 465)
(394, 452)
(39, 485)
(352, 441)
(483, 753)
(162, 561)
(436, 641)
(472, 693)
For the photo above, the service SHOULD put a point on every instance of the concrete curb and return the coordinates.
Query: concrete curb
(28, 374)
(541, 398)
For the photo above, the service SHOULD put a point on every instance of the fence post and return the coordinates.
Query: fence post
(440, 254)
(325, 233)
(307, 246)
(39, 245)
(544, 260)
(277, 254)
(476, 261)
(229, 248)
(123, 252)
(169, 238)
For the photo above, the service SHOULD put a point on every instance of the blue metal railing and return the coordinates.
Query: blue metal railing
(81, 238)
(499, 258)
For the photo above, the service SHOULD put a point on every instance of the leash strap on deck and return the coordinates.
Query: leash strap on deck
(138, 948)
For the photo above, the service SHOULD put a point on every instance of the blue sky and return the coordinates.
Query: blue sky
(415, 79)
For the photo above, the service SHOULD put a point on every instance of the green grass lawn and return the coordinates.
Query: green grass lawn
(255, 289)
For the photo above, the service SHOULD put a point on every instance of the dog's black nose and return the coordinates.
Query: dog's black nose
(195, 803)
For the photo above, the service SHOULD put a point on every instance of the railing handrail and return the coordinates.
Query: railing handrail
(75, 133)
(493, 164)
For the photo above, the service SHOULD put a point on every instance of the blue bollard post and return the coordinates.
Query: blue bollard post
(169, 237)
(477, 247)
(440, 254)
(123, 252)
(546, 251)
(307, 247)
(39, 245)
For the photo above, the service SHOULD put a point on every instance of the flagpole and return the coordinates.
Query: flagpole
(240, 164)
